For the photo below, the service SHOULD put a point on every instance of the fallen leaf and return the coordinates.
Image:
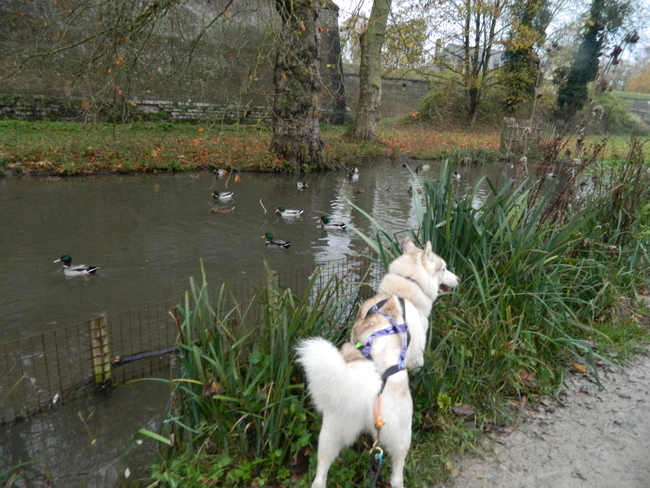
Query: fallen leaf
(579, 367)
(463, 410)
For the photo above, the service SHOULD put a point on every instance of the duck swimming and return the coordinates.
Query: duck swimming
(327, 225)
(275, 244)
(288, 213)
(301, 185)
(352, 176)
(222, 210)
(223, 196)
(77, 269)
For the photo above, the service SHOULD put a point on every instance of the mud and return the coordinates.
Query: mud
(587, 438)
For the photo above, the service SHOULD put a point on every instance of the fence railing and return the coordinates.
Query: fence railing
(520, 137)
(44, 370)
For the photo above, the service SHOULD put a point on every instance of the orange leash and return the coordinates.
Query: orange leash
(379, 422)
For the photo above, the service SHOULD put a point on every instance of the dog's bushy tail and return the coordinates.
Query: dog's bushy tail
(347, 388)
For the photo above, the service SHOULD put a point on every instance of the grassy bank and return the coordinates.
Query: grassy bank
(66, 148)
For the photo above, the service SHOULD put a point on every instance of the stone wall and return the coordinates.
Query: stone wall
(640, 108)
(229, 78)
(399, 98)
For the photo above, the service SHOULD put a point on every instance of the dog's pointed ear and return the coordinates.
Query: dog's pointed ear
(428, 254)
(408, 245)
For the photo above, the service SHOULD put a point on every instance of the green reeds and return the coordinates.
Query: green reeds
(242, 400)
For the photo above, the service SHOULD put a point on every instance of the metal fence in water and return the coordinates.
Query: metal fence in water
(43, 370)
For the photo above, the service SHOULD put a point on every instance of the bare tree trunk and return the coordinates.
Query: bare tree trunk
(364, 127)
(296, 118)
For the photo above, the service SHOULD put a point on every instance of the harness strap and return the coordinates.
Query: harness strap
(395, 328)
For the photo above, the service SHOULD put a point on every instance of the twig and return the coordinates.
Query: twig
(262, 205)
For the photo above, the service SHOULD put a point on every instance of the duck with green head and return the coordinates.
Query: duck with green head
(326, 224)
(222, 196)
(288, 213)
(275, 243)
(77, 269)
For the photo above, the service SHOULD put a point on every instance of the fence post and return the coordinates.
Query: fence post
(100, 350)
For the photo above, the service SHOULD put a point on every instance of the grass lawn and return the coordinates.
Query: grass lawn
(69, 148)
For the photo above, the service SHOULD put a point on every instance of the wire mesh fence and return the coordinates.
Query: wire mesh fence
(43, 370)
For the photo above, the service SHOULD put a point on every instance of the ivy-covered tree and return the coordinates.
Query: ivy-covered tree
(521, 68)
(605, 18)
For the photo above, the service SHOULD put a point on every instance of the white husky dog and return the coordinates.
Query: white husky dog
(388, 340)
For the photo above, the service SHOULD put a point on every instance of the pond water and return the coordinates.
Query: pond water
(148, 234)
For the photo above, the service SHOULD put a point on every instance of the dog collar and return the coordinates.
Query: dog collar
(411, 279)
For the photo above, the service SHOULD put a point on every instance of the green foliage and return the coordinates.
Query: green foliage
(605, 18)
(404, 43)
(241, 401)
(530, 293)
(616, 118)
(521, 65)
(446, 107)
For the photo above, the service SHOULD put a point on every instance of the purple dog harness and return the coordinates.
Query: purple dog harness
(394, 328)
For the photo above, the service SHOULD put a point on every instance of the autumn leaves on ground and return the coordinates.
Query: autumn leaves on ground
(58, 148)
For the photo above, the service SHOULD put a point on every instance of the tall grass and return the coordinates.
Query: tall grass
(241, 402)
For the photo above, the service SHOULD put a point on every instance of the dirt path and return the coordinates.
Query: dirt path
(592, 439)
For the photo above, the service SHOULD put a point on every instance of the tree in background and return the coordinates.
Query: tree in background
(351, 32)
(364, 126)
(296, 118)
(473, 29)
(521, 70)
(605, 19)
(639, 78)
(404, 46)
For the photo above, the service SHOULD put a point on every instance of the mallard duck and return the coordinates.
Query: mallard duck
(352, 176)
(221, 172)
(222, 210)
(301, 185)
(456, 175)
(355, 170)
(324, 223)
(223, 196)
(275, 244)
(421, 167)
(77, 269)
(284, 212)
(340, 180)
(360, 190)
